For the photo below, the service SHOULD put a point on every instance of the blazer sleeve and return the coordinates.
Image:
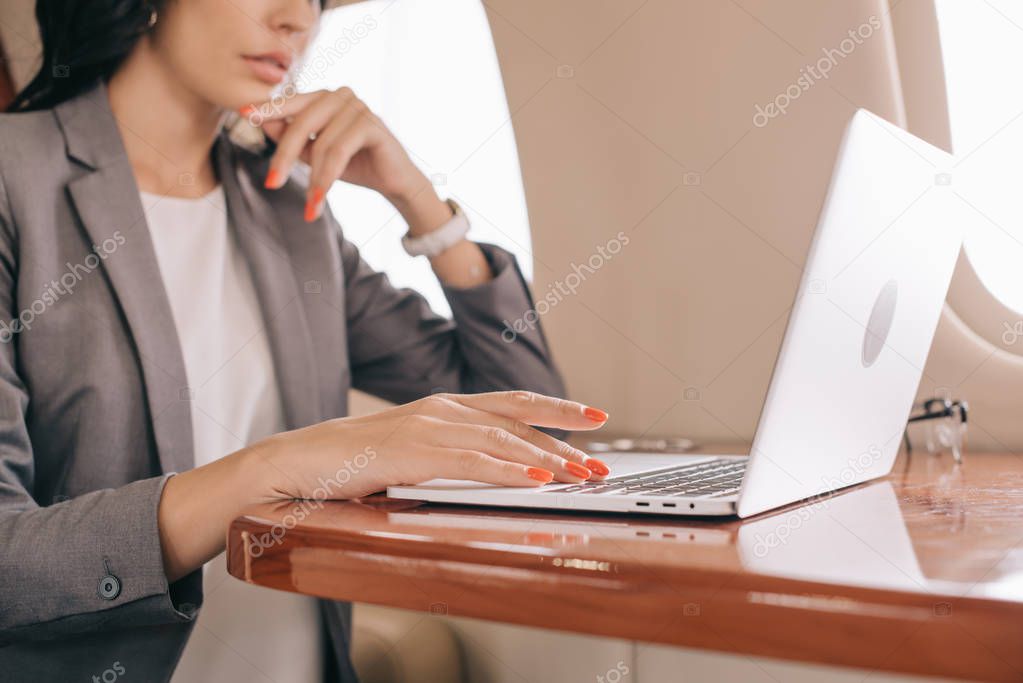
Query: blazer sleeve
(90, 563)
(400, 350)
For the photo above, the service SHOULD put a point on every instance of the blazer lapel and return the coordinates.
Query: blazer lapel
(108, 204)
(267, 252)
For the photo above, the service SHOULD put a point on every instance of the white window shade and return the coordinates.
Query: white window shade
(428, 68)
(982, 50)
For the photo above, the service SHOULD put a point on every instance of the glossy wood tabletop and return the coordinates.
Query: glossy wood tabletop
(919, 573)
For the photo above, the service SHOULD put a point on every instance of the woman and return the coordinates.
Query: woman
(184, 319)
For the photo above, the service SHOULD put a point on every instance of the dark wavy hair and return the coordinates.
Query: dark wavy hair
(83, 41)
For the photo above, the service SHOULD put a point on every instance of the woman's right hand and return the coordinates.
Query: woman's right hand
(487, 437)
(483, 437)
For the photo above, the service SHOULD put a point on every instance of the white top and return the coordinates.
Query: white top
(243, 633)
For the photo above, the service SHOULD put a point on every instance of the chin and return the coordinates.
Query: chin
(245, 92)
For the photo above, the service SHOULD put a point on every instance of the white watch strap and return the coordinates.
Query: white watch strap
(441, 239)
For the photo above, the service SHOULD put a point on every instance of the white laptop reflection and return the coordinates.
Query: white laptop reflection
(857, 537)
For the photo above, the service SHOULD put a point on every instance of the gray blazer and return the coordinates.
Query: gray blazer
(94, 412)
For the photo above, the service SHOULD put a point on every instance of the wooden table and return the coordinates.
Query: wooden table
(920, 573)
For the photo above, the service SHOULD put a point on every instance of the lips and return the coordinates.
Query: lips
(269, 67)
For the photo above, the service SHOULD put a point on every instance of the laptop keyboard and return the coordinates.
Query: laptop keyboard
(711, 479)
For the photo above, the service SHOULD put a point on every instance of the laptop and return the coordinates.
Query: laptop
(858, 335)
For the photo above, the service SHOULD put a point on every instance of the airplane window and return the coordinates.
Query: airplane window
(430, 71)
(982, 49)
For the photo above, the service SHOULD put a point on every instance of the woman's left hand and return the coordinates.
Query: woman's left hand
(340, 138)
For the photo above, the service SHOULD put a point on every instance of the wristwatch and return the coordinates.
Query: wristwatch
(441, 239)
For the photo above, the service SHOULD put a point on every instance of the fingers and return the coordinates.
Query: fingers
(535, 409)
(325, 129)
(303, 127)
(502, 444)
(575, 463)
(447, 463)
(334, 147)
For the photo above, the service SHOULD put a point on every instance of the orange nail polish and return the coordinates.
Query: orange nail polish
(273, 179)
(595, 414)
(598, 467)
(577, 470)
(312, 205)
(246, 110)
(540, 474)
